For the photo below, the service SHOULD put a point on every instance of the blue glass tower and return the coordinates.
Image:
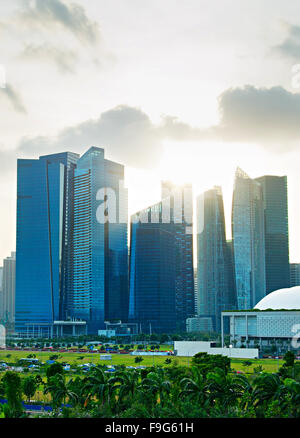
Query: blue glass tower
(152, 273)
(161, 262)
(180, 200)
(42, 237)
(100, 249)
(276, 231)
(214, 276)
(248, 233)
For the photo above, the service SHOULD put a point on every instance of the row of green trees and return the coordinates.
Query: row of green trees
(207, 389)
(141, 337)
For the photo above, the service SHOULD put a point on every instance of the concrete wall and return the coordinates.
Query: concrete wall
(190, 348)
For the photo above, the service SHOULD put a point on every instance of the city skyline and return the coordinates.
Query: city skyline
(72, 244)
(174, 104)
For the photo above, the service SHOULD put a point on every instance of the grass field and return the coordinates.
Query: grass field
(75, 358)
(269, 365)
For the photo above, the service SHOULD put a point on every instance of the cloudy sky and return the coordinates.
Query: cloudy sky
(181, 90)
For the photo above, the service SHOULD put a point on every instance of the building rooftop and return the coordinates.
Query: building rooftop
(287, 299)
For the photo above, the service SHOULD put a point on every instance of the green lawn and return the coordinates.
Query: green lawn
(269, 365)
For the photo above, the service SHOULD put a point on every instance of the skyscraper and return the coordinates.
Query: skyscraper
(161, 266)
(275, 198)
(215, 292)
(100, 249)
(1, 293)
(180, 200)
(248, 235)
(8, 288)
(152, 301)
(294, 274)
(68, 160)
(42, 208)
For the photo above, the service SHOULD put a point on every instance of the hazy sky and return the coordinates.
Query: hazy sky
(185, 90)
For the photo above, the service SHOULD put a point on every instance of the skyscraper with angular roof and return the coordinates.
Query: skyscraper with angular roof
(214, 264)
(248, 236)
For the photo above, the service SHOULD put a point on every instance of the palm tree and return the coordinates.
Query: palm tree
(126, 382)
(268, 387)
(97, 385)
(293, 389)
(75, 385)
(225, 389)
(156, 384)
(60, 391)
(194, 387)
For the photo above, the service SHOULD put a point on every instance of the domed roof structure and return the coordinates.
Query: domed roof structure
(288, 299)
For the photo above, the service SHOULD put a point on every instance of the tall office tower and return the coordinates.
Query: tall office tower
(69, 161)
(214, 292)
(276, 231)
(9, 288)
(231, 273)
(100, 248)
(152, 302)
(248, 241)
(1, 293)
(294, 274)
(196, 291)
(43, 211)
(180, 200)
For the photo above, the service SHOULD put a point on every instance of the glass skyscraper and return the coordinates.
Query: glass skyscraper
(248, 235)
(8, 289)
(275, 198)
(180, 200)
(69, 264)
(100, 248)
(294, 274)
(214, 268)
(152, 302)
(42, 227)
(161, 262)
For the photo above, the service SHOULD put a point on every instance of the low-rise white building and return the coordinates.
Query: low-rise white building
(190, 348)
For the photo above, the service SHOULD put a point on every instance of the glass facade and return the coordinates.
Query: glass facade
(100, 249)
(161, 262)
(41, 209)
(180, 200)
(152, 274)
(68, 264)
(248, 241)
(294, 274)
(276, 232)
(214, 268)
(8, 289)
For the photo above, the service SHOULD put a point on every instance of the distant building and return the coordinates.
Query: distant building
(70, 266)
(248, 237)
(152, 302)
(199, 324)
(8, 289)
(44, 213)
(294, 274)
(190, 348)
(100, 249)
(231, 273)
(1, 292)
(181, 226)
(214, 267)
(273, 323)
(196, 291)
(275, 198)
(161, 263)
